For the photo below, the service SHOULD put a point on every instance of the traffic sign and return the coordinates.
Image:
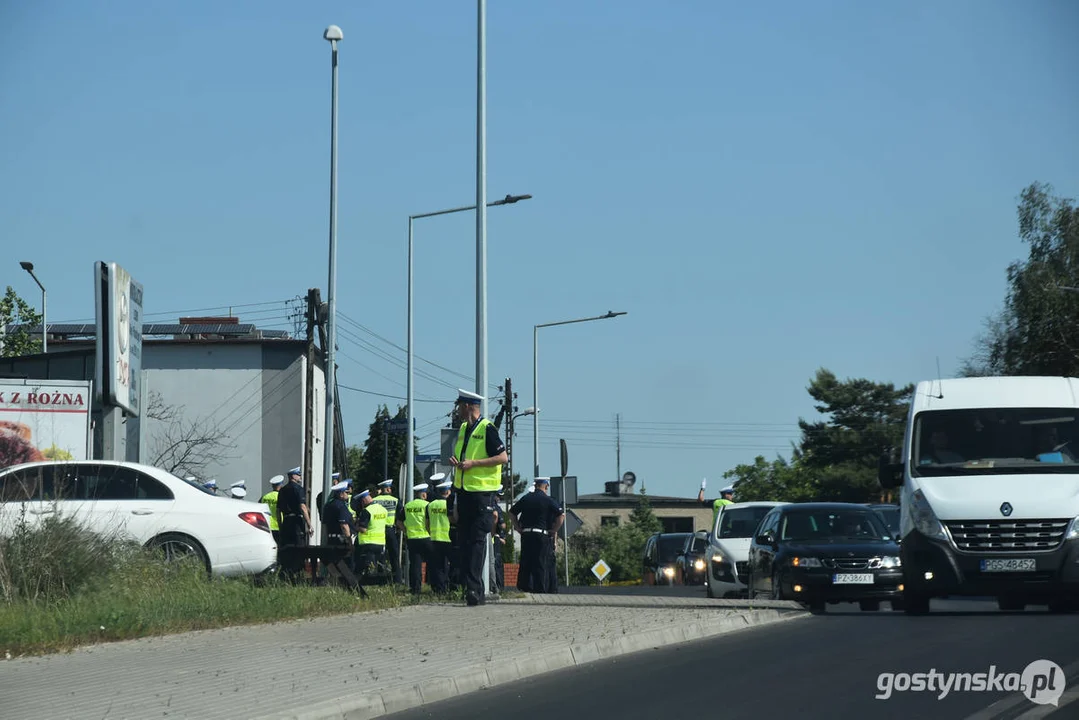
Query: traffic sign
(435, 457)
(601, 570)
(398, 426)
(572, 524)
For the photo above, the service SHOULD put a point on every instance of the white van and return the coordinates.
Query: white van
(990, 492)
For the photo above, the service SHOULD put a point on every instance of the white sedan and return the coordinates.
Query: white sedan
(145, 504)
(727, 556)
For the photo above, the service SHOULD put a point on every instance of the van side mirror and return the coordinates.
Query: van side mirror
(890, 469)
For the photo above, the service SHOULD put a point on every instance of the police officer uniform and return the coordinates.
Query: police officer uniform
(370, 531)
(340, 526)
(319, 504)
(725, 498)
(386, 499)
(477, 442)
(438, 526)
(294, 520)
(537, 516)
(270, 500)
(413, 523)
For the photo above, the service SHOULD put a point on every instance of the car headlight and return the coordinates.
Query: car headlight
(1073, 529)
(668, 571)
(924, 519)
(805, 562)
(891, 562)
(718, 558)
(698, 564)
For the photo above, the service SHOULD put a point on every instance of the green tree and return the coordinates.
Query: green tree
(1037, 331)
(381, 453)
(643, 520)
(779, 481)
(353, 461)
(841, 452)
(16, 311)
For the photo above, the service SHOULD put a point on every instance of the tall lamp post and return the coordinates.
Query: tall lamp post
(535, 417)
(29, 267)
(411, 461)
(333, 35)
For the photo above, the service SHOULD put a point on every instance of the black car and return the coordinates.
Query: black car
(690, 568)
(820, 553)
(661, 558)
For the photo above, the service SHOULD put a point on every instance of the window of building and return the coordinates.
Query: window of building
(677, 524)
(608, 520)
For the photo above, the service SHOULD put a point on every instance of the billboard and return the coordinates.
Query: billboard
(44, 420)
(119, 336)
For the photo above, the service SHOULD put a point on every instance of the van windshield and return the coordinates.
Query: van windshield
(995, 440)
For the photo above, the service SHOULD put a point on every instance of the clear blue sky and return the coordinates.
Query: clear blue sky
(765, 188)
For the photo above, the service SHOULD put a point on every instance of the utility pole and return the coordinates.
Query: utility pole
(618, 446)
(314, 302)
(510, 409)
(385, 452)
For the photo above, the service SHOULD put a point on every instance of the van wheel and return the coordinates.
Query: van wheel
(915, 603)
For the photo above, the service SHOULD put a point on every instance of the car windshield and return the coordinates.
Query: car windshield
(670, 546)
(699, 545)
(994, 441)
(891, 518)
(833, 526)
(736, 522)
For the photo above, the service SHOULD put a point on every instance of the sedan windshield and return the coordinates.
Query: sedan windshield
(995, 440)
(833, 526)
(670, 546)
(736, 522)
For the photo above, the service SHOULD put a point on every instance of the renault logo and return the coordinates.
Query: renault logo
(1006, 509)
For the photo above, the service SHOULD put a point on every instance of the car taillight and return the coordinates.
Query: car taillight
(257, 519)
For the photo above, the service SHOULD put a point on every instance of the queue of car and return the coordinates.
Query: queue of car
(814, 553)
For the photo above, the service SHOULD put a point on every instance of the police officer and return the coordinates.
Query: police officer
(726, 497)
(294, 520)
(270, 499)
(538, 518)
(370, 531)
(339, 524)
(438, 526)
(477, 459)
(412, 523)
(386, 499)
(319, 504)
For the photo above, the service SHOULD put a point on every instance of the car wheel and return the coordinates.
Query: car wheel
(897, 605)
(817, 607)
(869, 605)
(1063, 605)
(1008, 603)
(176, 547)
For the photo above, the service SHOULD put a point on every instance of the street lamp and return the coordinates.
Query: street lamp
(409, 481)
(334, 35)
(29, 267)
(535, 417)
(535, 382)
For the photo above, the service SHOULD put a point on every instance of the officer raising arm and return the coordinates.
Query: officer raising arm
(726, 497)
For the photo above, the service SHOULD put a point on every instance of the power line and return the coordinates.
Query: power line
(372, 392)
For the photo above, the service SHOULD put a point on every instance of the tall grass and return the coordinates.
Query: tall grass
(63, 586)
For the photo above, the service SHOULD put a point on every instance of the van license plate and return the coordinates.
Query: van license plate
(852, 579)
(1010, 565)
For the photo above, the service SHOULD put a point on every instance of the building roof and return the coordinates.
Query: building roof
(633, 498)
(89, 330)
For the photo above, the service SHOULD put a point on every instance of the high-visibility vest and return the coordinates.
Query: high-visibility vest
(270, 499)
(439, 520)
(476, 479)
(716, 506)
(390, 503)
(376, 529)
(415, 514)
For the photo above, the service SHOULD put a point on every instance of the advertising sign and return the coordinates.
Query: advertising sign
(44, 420)
(119, 336)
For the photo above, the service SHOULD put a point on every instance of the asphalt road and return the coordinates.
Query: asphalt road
(823, 666)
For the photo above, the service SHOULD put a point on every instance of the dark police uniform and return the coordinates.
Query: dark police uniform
(454, 575)
(500, 544)
(337, 514)
(393, 542)
(535, 513)
(290, 500)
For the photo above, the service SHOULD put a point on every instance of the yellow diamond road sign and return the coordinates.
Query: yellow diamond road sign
(601, 570)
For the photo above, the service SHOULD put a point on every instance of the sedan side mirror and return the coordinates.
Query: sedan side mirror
(766, 539)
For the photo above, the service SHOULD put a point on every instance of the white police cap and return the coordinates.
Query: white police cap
(468, 397)
(727, 490)
(363, 493)
(445, 485)
(295, 471)
(277, 480)
(335, 476)
(386, 483)
(437, 478)
(422, 487)
(340, 487)
(542, 481)
(239, 484)
(210, 483)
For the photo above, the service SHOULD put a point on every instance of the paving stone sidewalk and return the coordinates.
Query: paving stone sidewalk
(356, 666)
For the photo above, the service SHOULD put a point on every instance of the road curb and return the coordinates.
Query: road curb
(479, 677)
(654, 601)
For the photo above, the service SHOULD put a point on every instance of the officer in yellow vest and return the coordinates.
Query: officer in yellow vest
(726, 497)
(386, 499)
(370, 532)
(270, 499)
(438, 526)
(477, 459)
(413, 525)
